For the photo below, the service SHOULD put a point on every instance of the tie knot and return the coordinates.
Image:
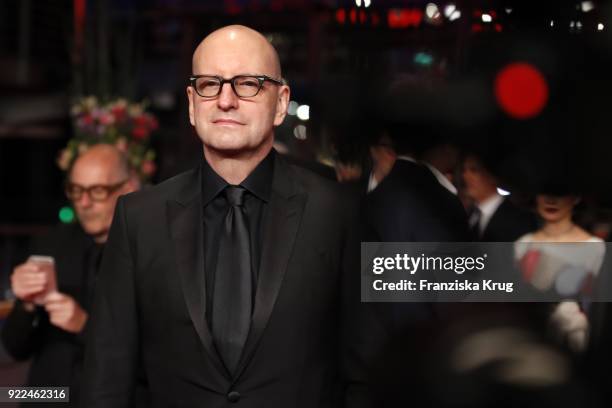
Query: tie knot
(235, 195)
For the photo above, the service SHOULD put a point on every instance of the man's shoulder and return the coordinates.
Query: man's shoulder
(397, 187)
(314, 183)
(179, 186)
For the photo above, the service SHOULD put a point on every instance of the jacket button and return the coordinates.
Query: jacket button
(233, 396)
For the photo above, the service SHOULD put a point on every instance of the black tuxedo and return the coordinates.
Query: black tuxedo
(508, 224)
(57, 355)
(151, 299)
(410, 205)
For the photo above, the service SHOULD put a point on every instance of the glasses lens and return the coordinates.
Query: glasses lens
(246, 86)
(73, 192)
(98, 193)
(207, 86)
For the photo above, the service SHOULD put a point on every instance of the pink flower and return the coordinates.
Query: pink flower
(86, 120)
(148, 167)
(107, 118)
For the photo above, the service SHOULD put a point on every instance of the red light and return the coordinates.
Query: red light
(476, 28)
(521, 90)
(402, 18)
(341, 16)
(353, 16)
(498, 27)
(362, 17)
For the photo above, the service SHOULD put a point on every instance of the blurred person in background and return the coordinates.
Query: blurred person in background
(383, 156)
(578, 265)
(493, 217)
(442, 159)
(50, 327)
(410, 203)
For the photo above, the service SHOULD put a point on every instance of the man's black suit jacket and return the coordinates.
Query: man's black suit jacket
(150, 301)
(508, 224)
(57, 355)
(410, 205)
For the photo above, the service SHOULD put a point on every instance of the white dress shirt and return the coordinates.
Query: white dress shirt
(487, 209)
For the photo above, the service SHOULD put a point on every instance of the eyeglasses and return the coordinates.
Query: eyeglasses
(98, 192)
(244, 86)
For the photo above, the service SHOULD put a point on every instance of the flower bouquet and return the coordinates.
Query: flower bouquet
(121, 123)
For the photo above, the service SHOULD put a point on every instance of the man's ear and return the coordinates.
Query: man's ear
(282, 103)
(190, 98)
(133, 182)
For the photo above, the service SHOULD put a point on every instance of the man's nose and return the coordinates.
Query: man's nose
(227, 98)
(84, 200)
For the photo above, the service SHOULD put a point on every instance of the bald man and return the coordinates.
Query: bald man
(225, 285)
(49, 326)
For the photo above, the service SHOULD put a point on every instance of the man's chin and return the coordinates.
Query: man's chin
(229, 150)
(94, 230)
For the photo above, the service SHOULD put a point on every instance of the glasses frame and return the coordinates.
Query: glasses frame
(222, 81)
(109, 188)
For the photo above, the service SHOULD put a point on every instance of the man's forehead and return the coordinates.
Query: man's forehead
(235, 57)
(94, 171)
(235, 52)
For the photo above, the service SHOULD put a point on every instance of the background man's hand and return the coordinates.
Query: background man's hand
(27, 281)
(65, 312)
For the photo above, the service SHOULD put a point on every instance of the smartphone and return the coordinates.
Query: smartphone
(47, 266)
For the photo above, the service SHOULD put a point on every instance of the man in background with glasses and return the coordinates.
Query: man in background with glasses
(227, 284)
(50, 315)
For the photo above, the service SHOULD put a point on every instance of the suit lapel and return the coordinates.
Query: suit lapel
(280, 231)
(186, 227)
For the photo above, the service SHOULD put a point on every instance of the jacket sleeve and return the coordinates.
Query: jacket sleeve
(112, 336)
(20, 331)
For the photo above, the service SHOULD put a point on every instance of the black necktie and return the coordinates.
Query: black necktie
(91, 273)
(231, 316)
(474, 221)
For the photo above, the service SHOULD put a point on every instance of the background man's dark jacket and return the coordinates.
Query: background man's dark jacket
(508, 224)
(57, 355)
(410, 205)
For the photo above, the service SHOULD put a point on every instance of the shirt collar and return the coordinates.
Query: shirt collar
(490, 205)
(405, 157)
(258, 183)
(442, 178)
